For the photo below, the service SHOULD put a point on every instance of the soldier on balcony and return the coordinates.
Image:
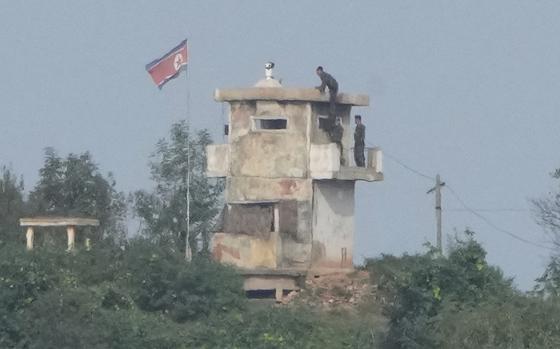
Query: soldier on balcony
(336, 134)
(359, 141)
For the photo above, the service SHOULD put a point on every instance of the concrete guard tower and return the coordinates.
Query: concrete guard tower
(289, 196)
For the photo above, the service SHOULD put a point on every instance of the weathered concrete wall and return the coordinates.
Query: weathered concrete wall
(324, 160)
(217, 160)
(295, 254)
(247, 251)
(239, 120)
(333, 224)
(269, 153)
(246, 240)
(295, 233)
(267, 282)
(260, 188)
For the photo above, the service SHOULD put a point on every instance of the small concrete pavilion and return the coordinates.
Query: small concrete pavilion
(69, 222)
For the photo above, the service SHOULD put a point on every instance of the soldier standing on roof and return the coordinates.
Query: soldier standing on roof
(328, 81)
(359, 142)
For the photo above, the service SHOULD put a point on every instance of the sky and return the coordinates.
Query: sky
(466, 89)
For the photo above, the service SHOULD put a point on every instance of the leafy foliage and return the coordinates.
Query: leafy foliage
(12, 205)
(164, 211)
(108, 297)
(548, 285)
(141, 293)
(547, 211)
(74, 186)
(547, 214)
(515, 322)
(161, 281)
(279, 328)
(76, 318)
(459, 301)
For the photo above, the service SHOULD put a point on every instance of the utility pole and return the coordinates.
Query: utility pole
(437, 190)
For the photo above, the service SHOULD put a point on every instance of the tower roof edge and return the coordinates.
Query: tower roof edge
(287, 94)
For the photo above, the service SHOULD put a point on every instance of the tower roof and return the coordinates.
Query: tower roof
(286, 94)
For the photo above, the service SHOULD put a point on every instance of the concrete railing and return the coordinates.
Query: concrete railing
(325, 163)
(373, 155)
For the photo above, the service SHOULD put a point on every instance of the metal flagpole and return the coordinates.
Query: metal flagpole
(188, 252)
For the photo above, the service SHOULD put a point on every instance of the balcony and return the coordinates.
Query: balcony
(325, 164)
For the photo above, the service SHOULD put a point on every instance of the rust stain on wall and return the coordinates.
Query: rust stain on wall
(220, 249)
(287, 186)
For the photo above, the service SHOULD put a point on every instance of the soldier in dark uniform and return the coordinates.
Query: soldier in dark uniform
(359, 142)
(336, 134)
(328, 81)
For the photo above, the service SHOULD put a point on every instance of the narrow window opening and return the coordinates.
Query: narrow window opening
(271, 124)
(323, 122)
(260, 294)
(256, 219)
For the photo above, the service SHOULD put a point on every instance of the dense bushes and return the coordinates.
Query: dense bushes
(162, 281)
(511, 323)
(145, 296)
(459, 301)
(107, 297)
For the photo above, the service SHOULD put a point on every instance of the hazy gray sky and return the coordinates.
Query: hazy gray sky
(467, 89)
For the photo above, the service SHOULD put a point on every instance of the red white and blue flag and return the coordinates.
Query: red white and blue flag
(169, 66)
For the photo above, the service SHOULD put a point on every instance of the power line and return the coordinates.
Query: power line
(488, 210)
(469, 209)
(408, 167)
(395, 159)
(491, 224)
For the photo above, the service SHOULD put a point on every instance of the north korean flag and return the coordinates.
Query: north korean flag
(169, 66)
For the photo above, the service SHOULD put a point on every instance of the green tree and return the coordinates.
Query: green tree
(160, 280)
(547, 211)
(74, 186)
(516, 322)
(418, 286)
(109, 297)
(163, 211)
(548, 285)
(12, 205)
(547, 214)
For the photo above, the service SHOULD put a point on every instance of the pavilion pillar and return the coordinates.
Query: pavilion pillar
(71, 231)
(29, 235)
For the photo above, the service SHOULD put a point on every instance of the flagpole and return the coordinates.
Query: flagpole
(188, 254)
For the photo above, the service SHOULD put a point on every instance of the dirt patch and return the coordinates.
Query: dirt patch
(337, 290)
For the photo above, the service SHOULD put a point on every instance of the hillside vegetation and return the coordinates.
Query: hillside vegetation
(140, 295)
(140, 292)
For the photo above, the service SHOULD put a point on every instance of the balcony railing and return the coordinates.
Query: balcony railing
(325, 163)
(373, 157)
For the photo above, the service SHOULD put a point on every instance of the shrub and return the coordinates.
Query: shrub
(160, 280)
